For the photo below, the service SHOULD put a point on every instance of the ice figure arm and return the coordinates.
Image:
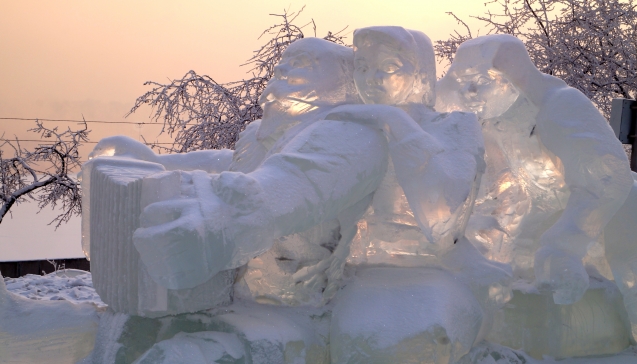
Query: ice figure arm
(441, 182)
(596, 172)
(438, 163)
(213, 161)
(328, 167)
(228, 218)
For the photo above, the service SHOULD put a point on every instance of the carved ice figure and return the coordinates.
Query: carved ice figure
(312, 77)
(417, 217)
(313, 173)
(555, 172)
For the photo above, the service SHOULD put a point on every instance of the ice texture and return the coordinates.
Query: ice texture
(620, 238)
(243, 332)
(44, 331)
(118, 277)
(433, 317)
(555, 174)
(595, 325)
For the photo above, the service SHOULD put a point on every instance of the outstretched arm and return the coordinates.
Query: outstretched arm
(596, 171)
(221, 221)
(212, 161)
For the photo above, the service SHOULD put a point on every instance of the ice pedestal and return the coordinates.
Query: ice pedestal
(119, 189)
(57, 332)
(533, 323)
(267, 334)
(620, 236)
(404, 315)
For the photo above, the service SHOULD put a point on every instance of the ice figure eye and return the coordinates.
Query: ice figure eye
(390, 68)
(483, 81)
(361, 66)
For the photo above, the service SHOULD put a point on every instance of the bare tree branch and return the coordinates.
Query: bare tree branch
(42, 174)
(590, 44)
(203, 114)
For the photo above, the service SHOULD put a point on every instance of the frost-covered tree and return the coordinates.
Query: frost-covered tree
(200, 113)
(590, 44)
(44, 173)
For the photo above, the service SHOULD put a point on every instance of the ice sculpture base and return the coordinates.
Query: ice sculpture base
(267, 334)
(533, 323)
(404, 315)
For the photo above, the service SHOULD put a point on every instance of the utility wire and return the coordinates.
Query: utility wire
(45, 141)
(83, 121)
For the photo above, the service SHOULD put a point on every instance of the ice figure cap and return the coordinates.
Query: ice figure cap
(505, 54)
(413, 45)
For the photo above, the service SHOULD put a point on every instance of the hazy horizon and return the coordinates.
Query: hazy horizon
(70, 59)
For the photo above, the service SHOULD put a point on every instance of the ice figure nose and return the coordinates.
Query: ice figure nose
(375, 79)
(469, 89)
(280, 72)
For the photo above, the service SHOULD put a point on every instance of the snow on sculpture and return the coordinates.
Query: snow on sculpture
(556, 174)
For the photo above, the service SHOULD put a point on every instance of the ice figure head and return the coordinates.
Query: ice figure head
(394, 66)
(473, 82)
(312, 74)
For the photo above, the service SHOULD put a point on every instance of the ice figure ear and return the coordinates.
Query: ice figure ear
(348, 86)
(426, 64)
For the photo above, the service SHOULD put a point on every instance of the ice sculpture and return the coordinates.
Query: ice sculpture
(387, 187)
(555, 172)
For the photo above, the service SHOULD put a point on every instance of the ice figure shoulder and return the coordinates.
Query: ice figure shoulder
(550, 156)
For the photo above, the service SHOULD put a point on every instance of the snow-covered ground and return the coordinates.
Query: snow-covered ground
(71, 285)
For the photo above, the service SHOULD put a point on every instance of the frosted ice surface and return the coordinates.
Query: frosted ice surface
(555, 174)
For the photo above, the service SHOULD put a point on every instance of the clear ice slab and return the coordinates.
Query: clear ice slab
(119, 190)
(595, 325)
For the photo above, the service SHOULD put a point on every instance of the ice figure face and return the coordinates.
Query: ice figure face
(382, 74)
(485, 92)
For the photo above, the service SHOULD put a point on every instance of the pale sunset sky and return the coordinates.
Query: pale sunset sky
(68, 58)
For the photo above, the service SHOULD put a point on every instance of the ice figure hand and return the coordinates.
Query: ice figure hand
(562, 273)
(219, 222)
(172, 243)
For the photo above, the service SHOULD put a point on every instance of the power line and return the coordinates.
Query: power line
(83, 121)
(45, 141)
